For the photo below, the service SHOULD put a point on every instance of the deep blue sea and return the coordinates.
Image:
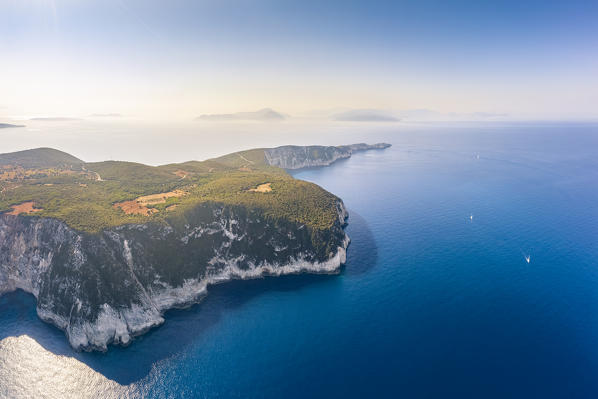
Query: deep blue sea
(436, 300)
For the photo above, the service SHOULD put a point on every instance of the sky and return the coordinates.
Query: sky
(179, 59)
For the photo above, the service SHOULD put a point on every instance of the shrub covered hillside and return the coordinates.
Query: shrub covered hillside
(90, 197)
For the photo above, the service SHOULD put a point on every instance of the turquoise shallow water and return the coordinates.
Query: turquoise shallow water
(431, 303)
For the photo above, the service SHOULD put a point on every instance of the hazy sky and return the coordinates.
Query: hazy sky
(178, 59)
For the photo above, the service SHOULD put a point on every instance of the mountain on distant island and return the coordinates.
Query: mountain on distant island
(365, 115)
(7, 125)
(55, 119)
(406, 115)
(107, 115)
(266, 114)
(427, 115)
(107, 247)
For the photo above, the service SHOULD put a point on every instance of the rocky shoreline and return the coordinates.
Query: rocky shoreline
(299, 157)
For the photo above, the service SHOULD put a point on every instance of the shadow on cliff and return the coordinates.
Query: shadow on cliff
(183, 326)
(324, 168)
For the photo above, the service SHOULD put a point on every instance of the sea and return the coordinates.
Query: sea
(472, 273)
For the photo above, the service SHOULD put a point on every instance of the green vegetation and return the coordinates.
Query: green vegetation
(84, 194)
(240, 159)
(40, 158)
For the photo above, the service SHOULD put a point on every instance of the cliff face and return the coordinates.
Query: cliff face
(108, 287)
(297, 157)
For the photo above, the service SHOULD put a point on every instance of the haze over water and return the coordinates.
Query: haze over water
(436, 298)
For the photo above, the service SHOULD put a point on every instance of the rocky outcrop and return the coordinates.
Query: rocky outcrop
(297, 157)
(111, 286)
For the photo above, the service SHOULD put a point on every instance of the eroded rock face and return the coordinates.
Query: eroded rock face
(297, 157)
(109, 287)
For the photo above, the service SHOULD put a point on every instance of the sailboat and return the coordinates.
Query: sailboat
(527, 258)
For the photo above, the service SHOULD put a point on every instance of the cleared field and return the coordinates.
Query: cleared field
(138, 206)
(25, 207)
(262, 188)
(135, 208)
(160, 198)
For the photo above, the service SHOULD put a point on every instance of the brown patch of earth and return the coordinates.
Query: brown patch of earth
(262, 188)
(134, 208)
(181, 173)
(138, 205)
(159, 198)
(25, 207)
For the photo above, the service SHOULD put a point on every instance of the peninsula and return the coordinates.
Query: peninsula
(107, 247)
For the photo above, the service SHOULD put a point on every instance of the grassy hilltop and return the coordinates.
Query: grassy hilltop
(90, 197)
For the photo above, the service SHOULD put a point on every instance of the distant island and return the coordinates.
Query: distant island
(265, 114)
(55, 119)
(107, 115)
(365, 115)
(107, 247)
(7, 125)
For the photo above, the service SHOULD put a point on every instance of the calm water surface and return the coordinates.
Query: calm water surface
(436, 299)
